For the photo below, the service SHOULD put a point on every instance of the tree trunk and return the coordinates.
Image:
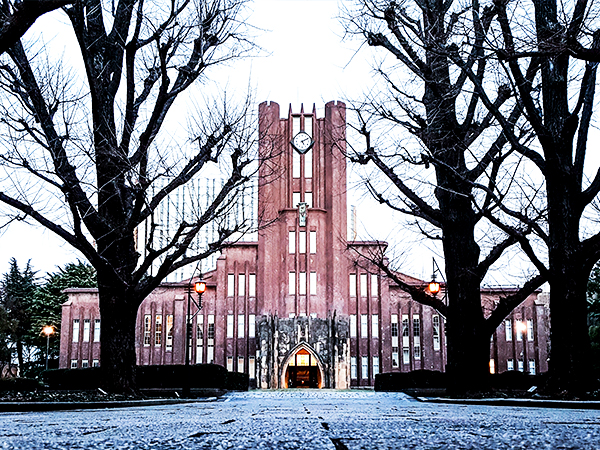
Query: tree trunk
(118, 341)
(468, 342)
(569, 364)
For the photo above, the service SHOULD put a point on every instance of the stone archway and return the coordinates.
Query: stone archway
(302, 369)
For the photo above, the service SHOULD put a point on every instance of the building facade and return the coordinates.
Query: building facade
(301, 306)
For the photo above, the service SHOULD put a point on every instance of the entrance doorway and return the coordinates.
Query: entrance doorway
(303, 371)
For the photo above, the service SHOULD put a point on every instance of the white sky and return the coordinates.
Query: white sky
(306, 62)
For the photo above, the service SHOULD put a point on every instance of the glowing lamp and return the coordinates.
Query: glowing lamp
(434, 287)
(200, 286)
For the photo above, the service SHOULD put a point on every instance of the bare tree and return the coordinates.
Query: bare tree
(452, 175)
(85, 160)
(563, 39)
(18, 16)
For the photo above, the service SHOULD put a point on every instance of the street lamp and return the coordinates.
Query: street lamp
(200, 288)
(434, 286)
(48, 331)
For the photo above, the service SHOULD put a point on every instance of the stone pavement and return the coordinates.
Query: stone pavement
(305, 419)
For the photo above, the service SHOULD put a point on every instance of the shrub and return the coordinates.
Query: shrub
(148, 377)
(398, 381)
(19, 385)
(236, 381)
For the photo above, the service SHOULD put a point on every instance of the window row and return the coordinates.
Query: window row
(363, 285)
(85, 363)
(297, 198)
(241, 285)
(522, 329)
(364, 329)
(510, 365)
(241, 319)
(301, 244)
(301, 288)
(297, 164)
(241, 366)
(87, 323)
(364, 367)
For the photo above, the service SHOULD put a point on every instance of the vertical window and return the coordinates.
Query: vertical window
(363, 326)
(97, 330)
(230, 364)
(85, 364)
(240, 364)
(364, 362)
(169, 331)
(210, 336)
(395, 362)
(296, 199)
(308, 164)
(251, 367)
(96, 363)
(508, 330)
(308, 125)
(417, 336)
(532, 367)
(295, 164)
(405, 330)
(147, 329)
(394, 330)
(241, 326)
(529, 330)
(353, 373)
(73, 364)
(313, 241)
(375, 326)
(510, 365)
(374, 285)
(352, 285)
(302, 284)
(520, 330)
(353, 325)
(230, 326)
(241, 284)
(292, 241)
(252, 285)
(199, 338)
(520, 365)
(251, 326)
(230, 284)
(75, 330)
(375, 365)
(436, 332)
(405, 355)
(302, 242)
(308, 198)
(416, 325)
(492, 366)
(363, 284)
(313, 283)
(86, 330)
(292, 283)
(158, 330)
(295, 125)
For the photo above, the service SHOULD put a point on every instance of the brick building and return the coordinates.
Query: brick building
(300, 307)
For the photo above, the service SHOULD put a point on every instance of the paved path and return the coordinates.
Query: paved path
(305, 419)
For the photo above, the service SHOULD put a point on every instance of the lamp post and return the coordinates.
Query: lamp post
(434, 285)
(48, 331)
(200, 288)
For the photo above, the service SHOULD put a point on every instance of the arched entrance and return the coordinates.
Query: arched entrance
(302, 369)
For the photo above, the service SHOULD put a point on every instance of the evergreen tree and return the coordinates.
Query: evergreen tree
(17, 290)
(593, 298)
(47, 302)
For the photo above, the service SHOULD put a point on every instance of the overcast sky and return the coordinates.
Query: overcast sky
(304, 61)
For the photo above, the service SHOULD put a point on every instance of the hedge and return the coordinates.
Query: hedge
(199, 376)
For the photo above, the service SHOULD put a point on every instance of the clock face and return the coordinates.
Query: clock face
(302, 142)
